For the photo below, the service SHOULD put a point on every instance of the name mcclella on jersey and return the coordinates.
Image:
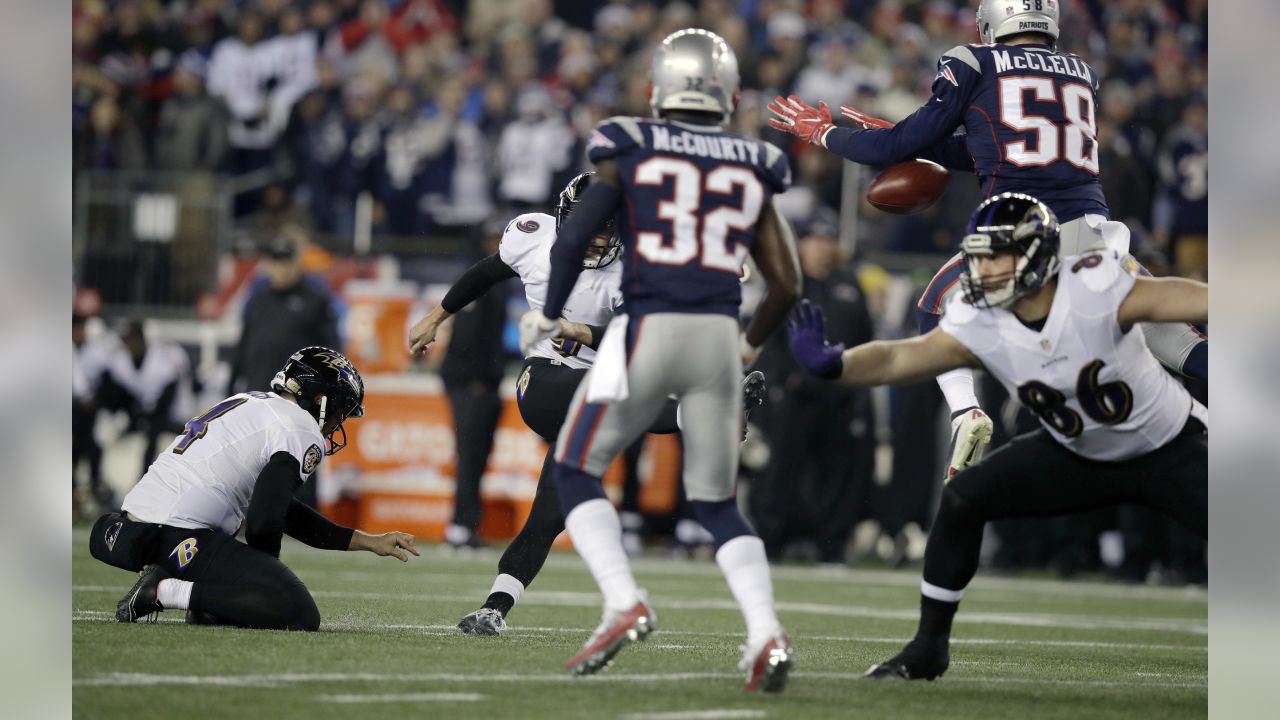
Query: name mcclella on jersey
(1044, 62)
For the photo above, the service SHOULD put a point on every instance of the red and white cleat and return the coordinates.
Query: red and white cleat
(615, 632)
(767, 664)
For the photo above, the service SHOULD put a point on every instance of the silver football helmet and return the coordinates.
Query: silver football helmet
(694, 69)
(1001, 18)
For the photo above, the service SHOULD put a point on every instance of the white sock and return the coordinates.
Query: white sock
(175, 594)
(505, 583)
(597, 536)
(746, 568)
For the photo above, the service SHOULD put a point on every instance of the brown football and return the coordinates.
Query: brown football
(908, 187)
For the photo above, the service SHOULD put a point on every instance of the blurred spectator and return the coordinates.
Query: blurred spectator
(457, 192)
(833, 76)
(109, 141)
(192, 130)
(288, 314)
(242, 74)
(90, 358)
(1184, 177)
(534, 151)
(821, 437)
(1128, 155)
(147, 378)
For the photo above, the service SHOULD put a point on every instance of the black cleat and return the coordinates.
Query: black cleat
(754, 389)
(919, 660)
(141, 600)
(485, 621)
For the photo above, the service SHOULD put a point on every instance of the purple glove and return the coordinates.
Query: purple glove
(809, 346)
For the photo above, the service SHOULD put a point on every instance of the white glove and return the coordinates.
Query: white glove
(970, 433)
(536, 327)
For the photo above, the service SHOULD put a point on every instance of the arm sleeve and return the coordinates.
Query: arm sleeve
(306, 525)
(952, 153)
(599, 203)
(932, 125)
(475, 282)
(264, 522)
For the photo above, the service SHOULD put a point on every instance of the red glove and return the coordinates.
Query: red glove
(863, 120)
(804, 121)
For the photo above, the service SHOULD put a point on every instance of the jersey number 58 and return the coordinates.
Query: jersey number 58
(1076, 142)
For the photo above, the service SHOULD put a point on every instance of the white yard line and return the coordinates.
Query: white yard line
(698, 715)
(592, 600)
(997, 586)
(278, 679)
(402, 698)
(449, 630)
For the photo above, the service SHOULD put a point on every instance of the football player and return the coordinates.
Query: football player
(1058, 334)
(691, 202)
(552, 371)
(238, 465)
(1030, 121)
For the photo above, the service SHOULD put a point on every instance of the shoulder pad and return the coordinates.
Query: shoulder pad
(964, 54)
(1098, 271)
(958, 311)
(613, 136)
(528, 224)
(777, 166)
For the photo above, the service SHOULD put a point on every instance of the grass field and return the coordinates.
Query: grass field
(1023, 648)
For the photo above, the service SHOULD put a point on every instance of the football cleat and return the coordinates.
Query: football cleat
(485, 621)
(141, 600)
(616, 631)
(919, 660)
(768, 663)
(754, 389)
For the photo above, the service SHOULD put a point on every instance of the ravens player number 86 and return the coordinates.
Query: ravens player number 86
(1060, 335)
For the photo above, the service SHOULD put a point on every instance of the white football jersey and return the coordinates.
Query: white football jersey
(597, 295)
(164, 364)
(205, 478)
(1099, 391)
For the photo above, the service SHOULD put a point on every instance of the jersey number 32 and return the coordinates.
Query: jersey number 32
(692, 230)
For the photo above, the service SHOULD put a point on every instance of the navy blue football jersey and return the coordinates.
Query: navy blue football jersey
(1030, 125)
(692, 195)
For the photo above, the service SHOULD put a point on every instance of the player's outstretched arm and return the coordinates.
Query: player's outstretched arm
(474, 283)
(898, 362)
(883, 362)
(1168, 299)
(775, 255)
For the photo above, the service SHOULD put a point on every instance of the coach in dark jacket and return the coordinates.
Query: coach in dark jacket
(290, 312)
(821, 436)
(472, 372)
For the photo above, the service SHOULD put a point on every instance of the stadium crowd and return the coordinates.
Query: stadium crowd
(449, 113)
